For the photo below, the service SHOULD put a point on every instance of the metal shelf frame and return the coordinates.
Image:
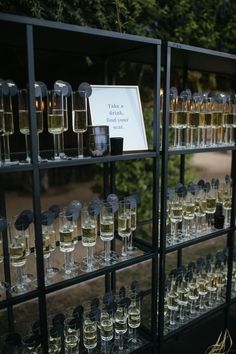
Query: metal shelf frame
(204, 60)
(107, 45)
(111, 46)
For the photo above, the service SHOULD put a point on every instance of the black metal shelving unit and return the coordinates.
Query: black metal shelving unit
(38, 43)
(186, 57)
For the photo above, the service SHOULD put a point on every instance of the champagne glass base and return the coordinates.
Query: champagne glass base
(84, 268)
(132, 250)
(10, 163)
(3, 287)
(24, 288)
(52, 272)
(114, 258)
(115, 348)
(28, 278)
(134, 345)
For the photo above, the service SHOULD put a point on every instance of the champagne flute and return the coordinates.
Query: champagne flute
(66, 239)
(193, 119)
(65, 115)
(24, 119)
(188, 213)
(182, 300)
(134, 319)
(106, 329)
(133, 204)
(107, 231)
(17, 257)
(200, 212)
(56, 119)
(180, 117)
(89, 236)
(120, 325)
(2, 123)
(172, 123)
(210, 206)
(8, 127)
(55, 332)
(124, 225)
(71, 335)
(89, 332)
(176, 216)
(216, 120)
(39, 106)
(79, 118)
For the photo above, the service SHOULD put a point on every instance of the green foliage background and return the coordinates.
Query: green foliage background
(208, 23)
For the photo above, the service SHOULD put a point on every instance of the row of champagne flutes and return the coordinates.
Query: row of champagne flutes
(108, 324)
(55, 103)
(194, 289)
(197, 209)
(64, 226)
(200, 120)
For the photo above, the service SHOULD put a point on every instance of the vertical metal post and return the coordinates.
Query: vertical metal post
(164, 184)
(36, 189)
(105, 179)
(182, 168)
(230, 239)
(6, 261)
(113, 243)
(155, 189)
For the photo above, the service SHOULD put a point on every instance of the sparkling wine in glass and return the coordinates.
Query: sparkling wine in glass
(8, 127)
(56, 119)
(17, 252)
(89, 236)
(89, 333)
(107, 231)
(79, 118)
(124, 225)
(66, 239)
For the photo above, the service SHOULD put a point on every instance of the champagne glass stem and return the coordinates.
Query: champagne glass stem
(106, 347)
(227, 217)
(19, 278)
(134, 339)
(130, 242)
(107, 251)
(27, 148)
(210, 299)
(191, 136)
(181, 313)
(124, 247)
(89, 257)
(209, 222)
(39, 157)
(80, 144)
(172, 317)
(67, 262)
(121, 342)
(231, 135)
(6, 148)
(57, 146)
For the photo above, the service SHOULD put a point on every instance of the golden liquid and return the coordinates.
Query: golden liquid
(79, 121)
(180, 119)
(133, 220)
(106, 230)
(176, 213)
(202, 120)
(210, 205)
(90, 335)
(17, 255)
(8, 122)
(65, 120)
(208, 119)
(2, 125)
(89, 235)
(134, 318)
(182, 296)
(193, 291)
(172, 301)
(216, 119)
(188, 211)
(202, 283)
(66, 236)
(193, 119)
(228, 118)
(56, 122)
(106, 329)
(124, 225)
(39, 118)
(1, 251)
(234, 120)
(24, 121)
